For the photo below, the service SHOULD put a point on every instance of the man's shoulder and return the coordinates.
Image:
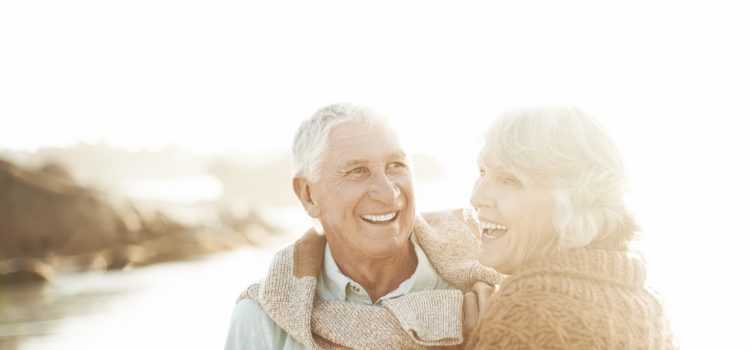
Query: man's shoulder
(451, 220)
(248, 325)
(248, 309)
(451, 241)
(449, 214)
(450, 227)
(252, 328)
(249, 293)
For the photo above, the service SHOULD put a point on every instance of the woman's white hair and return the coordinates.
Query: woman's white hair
(563, 149)
(311, 140)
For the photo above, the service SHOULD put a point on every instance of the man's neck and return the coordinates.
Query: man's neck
(377, 276)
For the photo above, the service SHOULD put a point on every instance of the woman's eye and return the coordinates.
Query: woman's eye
(481, 172)
(511, 181)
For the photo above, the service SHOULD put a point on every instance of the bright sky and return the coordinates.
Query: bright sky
(670, 80)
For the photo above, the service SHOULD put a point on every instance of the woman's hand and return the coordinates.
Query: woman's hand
(476, 302)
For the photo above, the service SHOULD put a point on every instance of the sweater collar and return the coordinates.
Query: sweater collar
(617, 267)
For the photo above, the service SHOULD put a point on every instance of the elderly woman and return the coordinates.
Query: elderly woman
(549, 200)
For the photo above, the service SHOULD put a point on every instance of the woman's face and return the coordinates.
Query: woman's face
(516, 218)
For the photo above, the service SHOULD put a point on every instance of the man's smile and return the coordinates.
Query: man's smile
(380, 218)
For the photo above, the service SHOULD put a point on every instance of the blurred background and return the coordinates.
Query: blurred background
(144, 145)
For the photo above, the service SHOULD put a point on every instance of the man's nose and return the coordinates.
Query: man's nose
(384, 189)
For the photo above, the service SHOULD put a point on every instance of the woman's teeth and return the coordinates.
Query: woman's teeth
(492, 230)
(379, 218)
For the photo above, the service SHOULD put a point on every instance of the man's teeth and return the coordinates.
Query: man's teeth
(380, 218)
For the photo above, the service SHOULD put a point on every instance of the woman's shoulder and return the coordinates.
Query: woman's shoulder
(571, 283)
(595, 268)
(509, 323)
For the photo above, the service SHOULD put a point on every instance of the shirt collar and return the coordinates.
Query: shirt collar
(334, 285)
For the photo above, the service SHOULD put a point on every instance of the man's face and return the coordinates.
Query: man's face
(365, 193)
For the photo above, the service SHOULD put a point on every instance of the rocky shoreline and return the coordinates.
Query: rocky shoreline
(50, 223)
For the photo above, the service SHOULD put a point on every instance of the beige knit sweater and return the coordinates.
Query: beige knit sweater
(577, 299)
(413, 321)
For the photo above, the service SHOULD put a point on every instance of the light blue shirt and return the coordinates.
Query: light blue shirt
(251, 328)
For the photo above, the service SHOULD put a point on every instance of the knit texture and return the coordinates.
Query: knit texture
(412, 321)
(577, 299)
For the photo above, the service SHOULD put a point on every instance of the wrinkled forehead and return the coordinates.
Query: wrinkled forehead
(365, 139)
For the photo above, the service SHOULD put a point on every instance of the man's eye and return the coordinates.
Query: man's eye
(481, 172)
(396, 165)
(357, 171)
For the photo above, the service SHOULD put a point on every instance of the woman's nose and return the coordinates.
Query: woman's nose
(480, 198)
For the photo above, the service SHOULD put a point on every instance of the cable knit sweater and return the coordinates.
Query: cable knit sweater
(577, 299)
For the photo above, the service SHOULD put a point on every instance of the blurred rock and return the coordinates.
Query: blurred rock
(25, 270)
(48, 218)
(43, 213)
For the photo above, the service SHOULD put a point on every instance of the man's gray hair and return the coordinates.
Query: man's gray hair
(311, 140)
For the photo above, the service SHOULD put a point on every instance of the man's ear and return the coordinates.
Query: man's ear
(303, 190)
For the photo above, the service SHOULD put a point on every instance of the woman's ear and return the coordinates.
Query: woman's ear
(303, 190)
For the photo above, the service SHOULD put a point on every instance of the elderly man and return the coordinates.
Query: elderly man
(378, 276)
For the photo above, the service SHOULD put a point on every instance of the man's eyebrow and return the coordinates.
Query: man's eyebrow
(357, 162)
(352, 163)
(399, 155)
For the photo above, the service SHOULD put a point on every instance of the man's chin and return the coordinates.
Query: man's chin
(386, 244)
(382, 231)
(388, 238)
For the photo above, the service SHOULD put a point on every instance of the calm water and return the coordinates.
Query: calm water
(183, 305)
